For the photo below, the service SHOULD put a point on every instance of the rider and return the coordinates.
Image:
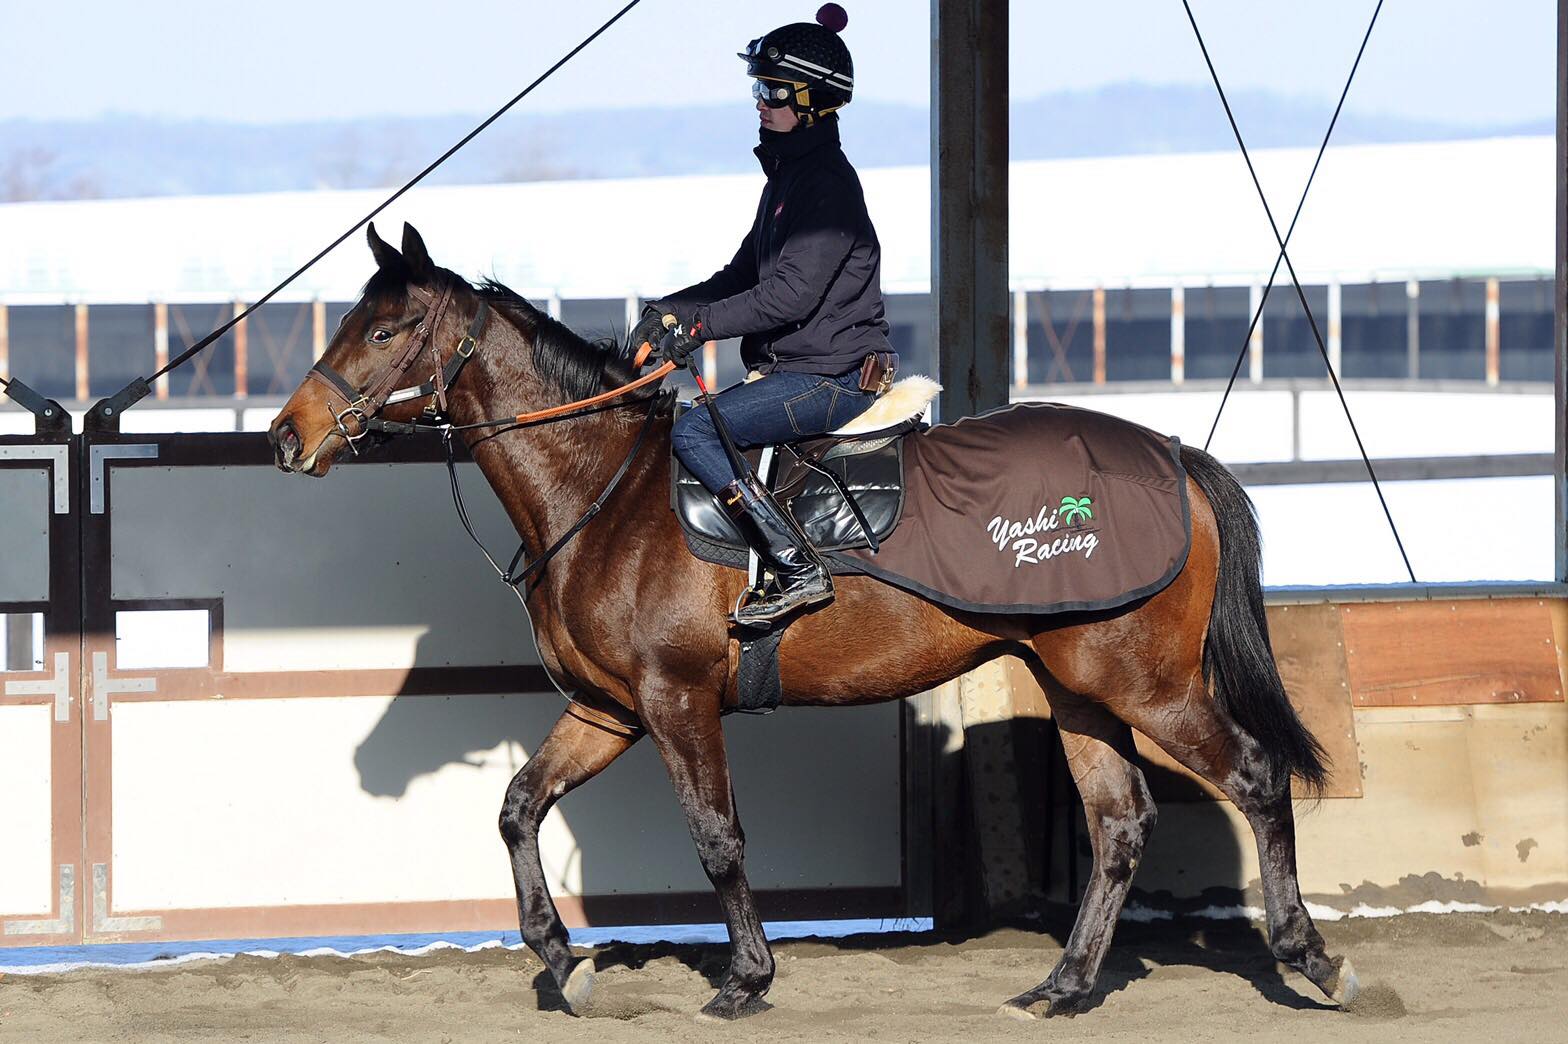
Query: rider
(803, 293)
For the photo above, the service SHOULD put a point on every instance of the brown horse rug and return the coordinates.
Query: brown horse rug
(1036, 508)
(1031, 508)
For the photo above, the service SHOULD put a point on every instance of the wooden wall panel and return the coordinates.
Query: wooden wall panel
(1309, 648)
(1422, 654)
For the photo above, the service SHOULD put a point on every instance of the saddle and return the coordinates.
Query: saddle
(845, 488)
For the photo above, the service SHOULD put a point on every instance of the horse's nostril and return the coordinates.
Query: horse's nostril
(285, 443)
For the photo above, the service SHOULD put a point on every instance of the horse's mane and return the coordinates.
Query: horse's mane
(576, 366)
(572, 364)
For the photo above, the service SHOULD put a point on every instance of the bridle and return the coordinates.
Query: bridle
(362, 411)
(360, 414)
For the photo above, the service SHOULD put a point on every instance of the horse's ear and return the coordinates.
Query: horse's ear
(386, 256)
(415, 255)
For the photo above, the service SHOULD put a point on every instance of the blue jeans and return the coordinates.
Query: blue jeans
(780, 407)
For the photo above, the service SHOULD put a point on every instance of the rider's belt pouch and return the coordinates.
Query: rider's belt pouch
(876, 372)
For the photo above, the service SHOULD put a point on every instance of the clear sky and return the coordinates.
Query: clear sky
(1451, 60)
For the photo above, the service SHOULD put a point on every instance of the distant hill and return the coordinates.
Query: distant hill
(120, 156)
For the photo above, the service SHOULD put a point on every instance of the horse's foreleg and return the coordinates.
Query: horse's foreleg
(573, 753)
(1120, 815)
(692, 745)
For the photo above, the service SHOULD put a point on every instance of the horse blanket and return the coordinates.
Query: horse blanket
(1035, 508)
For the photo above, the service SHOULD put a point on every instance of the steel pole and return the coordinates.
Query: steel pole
(1560, 301)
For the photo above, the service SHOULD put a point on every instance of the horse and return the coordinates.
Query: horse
(639, 627)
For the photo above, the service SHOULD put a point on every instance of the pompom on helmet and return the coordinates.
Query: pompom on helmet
(803, 65)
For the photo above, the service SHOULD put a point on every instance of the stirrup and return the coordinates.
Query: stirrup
(767, 608)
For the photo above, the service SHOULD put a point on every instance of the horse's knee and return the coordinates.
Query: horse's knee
(1146, 816)
(522, 809)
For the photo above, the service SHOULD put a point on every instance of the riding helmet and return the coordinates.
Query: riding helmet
(804, 65)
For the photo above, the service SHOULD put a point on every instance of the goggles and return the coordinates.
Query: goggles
(775, 94)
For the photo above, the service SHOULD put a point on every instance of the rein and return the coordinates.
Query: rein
(535, 569)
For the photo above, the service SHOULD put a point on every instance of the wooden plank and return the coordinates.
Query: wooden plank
(1309, 648)
(241, 354)
(81, 351)
(1099, 335)
(1423, 654)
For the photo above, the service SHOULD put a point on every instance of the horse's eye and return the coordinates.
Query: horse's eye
(380, 335)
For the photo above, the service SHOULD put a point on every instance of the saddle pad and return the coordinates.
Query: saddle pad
(1035, 508)
(869, 469)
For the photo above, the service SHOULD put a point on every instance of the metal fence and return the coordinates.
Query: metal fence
(1490, 329)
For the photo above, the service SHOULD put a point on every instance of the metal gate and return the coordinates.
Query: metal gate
(272, 707)
(42, 893)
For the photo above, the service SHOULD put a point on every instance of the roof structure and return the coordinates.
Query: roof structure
(1381, 212)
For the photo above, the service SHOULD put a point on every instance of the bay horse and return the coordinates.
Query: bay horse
(638, 626)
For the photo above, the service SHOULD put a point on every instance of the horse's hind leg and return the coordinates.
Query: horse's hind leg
(574, 752)
(1120, 814)
(1209, 743)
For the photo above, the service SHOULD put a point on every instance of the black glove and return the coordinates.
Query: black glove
(649, 329)
(679, 344)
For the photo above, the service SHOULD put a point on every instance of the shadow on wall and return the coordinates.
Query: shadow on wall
(624, 832)
(1194, 860)
(421, 734)
(609, 828)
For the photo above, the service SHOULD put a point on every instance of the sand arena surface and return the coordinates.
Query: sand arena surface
(1501, 977)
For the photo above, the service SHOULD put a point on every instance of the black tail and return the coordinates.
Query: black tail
(1238, 662)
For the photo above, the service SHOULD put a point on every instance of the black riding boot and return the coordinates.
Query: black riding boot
(802, 576)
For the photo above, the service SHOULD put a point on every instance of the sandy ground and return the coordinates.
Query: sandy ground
(1428, 977)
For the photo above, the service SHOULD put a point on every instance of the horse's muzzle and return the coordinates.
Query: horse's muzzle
(286, 445)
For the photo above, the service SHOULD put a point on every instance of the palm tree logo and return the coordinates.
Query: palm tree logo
(1075, 508)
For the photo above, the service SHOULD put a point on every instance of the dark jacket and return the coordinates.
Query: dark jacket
(804, 291)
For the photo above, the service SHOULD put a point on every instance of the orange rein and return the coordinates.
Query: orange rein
(648, 378)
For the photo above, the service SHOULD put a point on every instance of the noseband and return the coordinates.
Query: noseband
(361, 413)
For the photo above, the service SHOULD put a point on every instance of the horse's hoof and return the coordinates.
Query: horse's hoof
(1346, 985)
(1031, 1006)
(577, 990)
(728, 1008)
